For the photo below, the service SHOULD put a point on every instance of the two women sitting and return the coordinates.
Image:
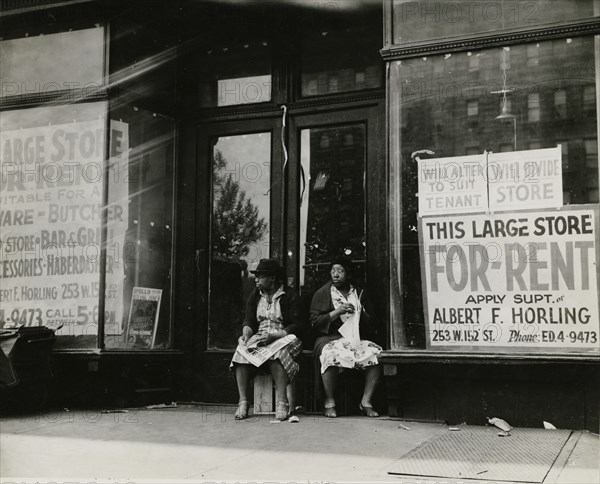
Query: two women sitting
(339, 313)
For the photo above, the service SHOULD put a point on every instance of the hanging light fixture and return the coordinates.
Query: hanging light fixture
(505, 112)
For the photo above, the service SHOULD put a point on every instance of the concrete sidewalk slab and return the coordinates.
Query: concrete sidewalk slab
(205, 443)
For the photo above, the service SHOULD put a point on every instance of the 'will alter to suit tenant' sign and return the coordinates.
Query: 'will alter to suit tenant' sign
(491, 182)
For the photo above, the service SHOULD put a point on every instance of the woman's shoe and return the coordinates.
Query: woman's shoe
(368, 411)
(330, 412)
(242, 411)
(282, 411)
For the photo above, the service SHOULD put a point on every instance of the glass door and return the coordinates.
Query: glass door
(244, 200)
(329, 199)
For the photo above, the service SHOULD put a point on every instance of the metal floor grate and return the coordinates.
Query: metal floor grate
(479, 453)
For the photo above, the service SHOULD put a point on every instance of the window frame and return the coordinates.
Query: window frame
(462, 43)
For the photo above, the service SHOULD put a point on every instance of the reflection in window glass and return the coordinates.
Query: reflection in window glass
(341, 60)
(560, 104)
(533, 108)
(591, 153)
(472, 108)
(425, 20)
(140, 230)
(527, 121)
(52, 161)
(236, 73)
(533, 58)
(589, 100)
(332, 211)
(239, 229)
(30, 65)
(142, 59)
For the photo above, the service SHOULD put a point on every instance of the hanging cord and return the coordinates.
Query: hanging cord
(285, 153)
(504, 91)
(283, 146)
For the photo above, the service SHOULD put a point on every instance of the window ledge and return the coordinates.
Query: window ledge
(443, 357)
(95, 353)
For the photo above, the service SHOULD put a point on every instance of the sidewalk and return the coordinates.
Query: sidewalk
(205, 444)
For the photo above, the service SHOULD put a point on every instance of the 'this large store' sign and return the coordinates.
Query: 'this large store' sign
(51, 204)
(524, 280)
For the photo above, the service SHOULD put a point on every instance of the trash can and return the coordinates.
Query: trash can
(25, 372)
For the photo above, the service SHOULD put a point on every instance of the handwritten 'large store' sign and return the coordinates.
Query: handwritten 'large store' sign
(51, 203)
(523, 280)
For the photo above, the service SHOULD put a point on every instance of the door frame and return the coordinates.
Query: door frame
(377, 263)
(203, 204)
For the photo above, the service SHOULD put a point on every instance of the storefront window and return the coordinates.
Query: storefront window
(67, 61)
(530, 106)
(52, 161)
(239, 229)
(332, 210)
(427, 20)
(142, 60)
(233, 73)
(338, 60)
(139, 245)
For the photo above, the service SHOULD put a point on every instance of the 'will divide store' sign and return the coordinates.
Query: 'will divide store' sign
(519, 280)
(491, 182)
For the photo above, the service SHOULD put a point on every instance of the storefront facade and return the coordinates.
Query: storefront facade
(152, 154)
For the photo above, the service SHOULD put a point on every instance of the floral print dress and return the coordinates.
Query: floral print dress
(349, 353)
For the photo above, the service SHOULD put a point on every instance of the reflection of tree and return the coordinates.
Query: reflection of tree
(236, 221)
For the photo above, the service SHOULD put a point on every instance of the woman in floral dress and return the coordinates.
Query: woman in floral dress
(340, 315)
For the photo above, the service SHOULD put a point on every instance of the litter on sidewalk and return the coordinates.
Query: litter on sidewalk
(161, 405)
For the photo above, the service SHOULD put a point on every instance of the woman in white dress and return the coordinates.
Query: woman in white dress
(341, 318)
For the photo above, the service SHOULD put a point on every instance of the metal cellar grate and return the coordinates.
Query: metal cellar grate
(479, 453)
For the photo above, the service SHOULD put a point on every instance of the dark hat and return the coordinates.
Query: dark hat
(269, 267)
(345, 262)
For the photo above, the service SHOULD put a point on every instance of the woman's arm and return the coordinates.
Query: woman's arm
(322, 313)
(295, 321)
(250, 316)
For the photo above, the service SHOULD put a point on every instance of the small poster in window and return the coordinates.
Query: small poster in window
(143, 317)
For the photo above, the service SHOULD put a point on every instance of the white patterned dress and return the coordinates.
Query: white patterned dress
(349, 352)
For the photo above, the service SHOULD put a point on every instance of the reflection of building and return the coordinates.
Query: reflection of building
(335, 197)
(187, 77)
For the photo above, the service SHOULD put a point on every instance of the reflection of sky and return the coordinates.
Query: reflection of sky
(51, 115)
(249, 162)
(30, 65)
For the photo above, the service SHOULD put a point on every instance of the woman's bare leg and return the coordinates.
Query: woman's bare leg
(372, 377)
(330, 378)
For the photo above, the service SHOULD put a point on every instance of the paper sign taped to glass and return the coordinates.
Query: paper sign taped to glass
(143, 317)
(491, 182)
(521, 280)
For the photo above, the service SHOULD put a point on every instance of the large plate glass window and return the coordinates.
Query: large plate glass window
(524, 97)
(52, 165)
(427, 20)
(341, 56)
(139, 245)
(43, 63)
